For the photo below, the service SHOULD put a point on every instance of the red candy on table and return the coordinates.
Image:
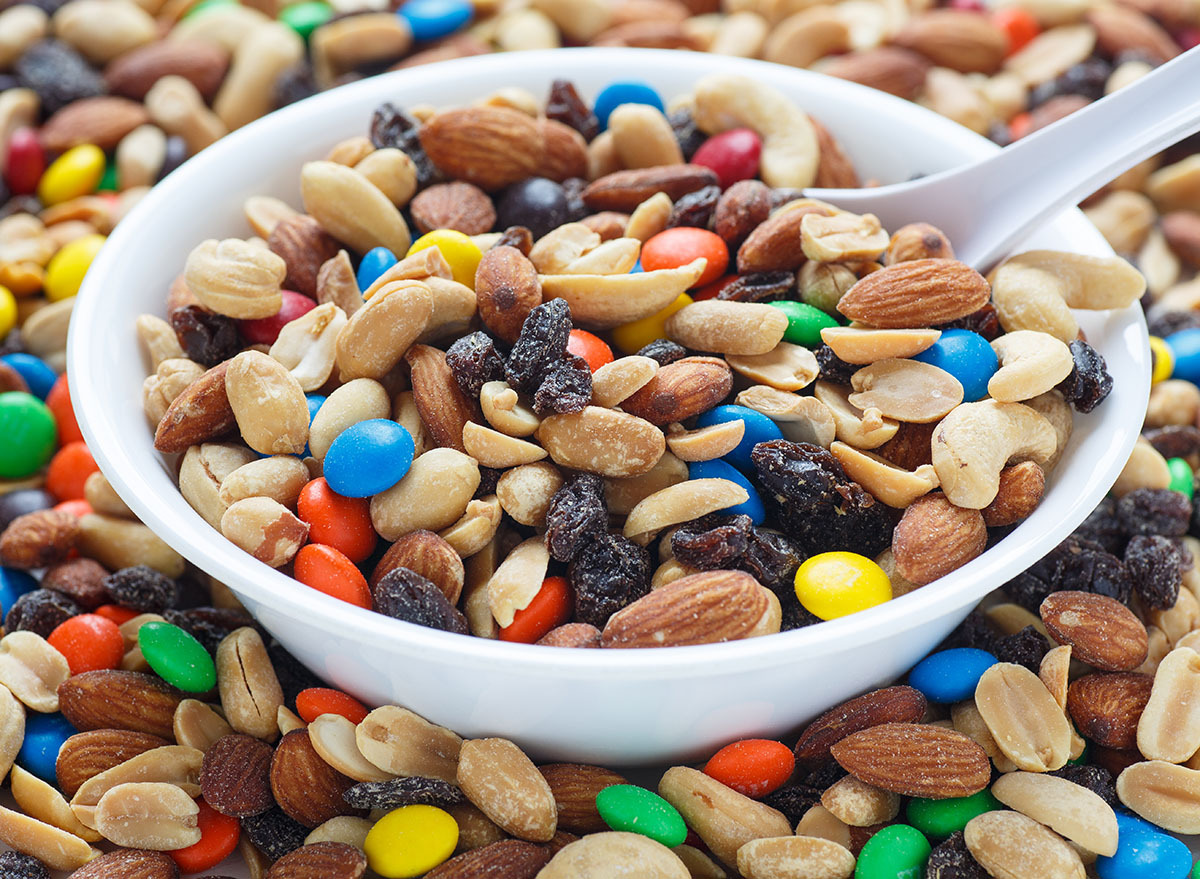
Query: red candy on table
(265, 330)
(89, 642)
(341, 522)
(327, 570)
(68, 471)
(590, 347)
(679, 246)
(551, 607)
(754, 767)
(58, 401)
(732, 154)
(219, 836)
(315, 701)
(26, 162)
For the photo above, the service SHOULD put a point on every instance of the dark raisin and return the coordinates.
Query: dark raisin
(1155, 565)
(58, 74)
(292, 674)
(207, 337)
(474, 362)
(406, 595)
(695, 208)
(793, 615)
(275, 833)
(760, 287)
(833, 368)
(541, 344)
(1087, 78)
(783, 194)
(985, 322)
(663, 351)
(209, 625)
(975, 631)
(1154, 511)
(713, 542)
(793, 800)
(566, 388)
(608, 574)
(577, 208)
(413, 791)
(577, 512)
(1168, 322)
(14, 865)
(999, 134)
(489, 477)
(711, 549)
(538, 203)
(22, 501)
(564, 105)
(687, 133)
(176, 154)
(772, 558)
(817, 503)
(393, 127)
(142, 588)
(1076, 563)
(40, 611)
(1089, 382)
(1175, 440)
(294, 84)
(1026, 647)
(1103, 527)
(951, 859)
(516, 236)
(1097, 779)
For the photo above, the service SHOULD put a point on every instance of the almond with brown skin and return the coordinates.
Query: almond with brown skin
(681, 389)
(898, 704)
(443, 406)
(1101, 631)
(87, 754)
(307, 788)
(910, 447)
(774, 245)
(1021, 488)
(457, 205)
(506, 290)
(1182, 231)
(201, 413)
(236, 776)
(38, 539)
(113, 699)
(305, 247)
(201, 63)
(917, 293)
(1122, 29)
(328, 860)
(934, 537)
(564, 151)
(129, 863)
(740, 209)
(916, 760)
(508, 858)
(625, 190)
(102, 121)
(961, 40)
(891, 69)
(579, 635)
(575, 786)
(1106, 707)
(835, 169)
(428, 555)
(491, 147)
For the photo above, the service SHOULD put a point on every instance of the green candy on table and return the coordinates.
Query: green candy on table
(177, 657)
(938, 819)
(895, 852)
(28, 434)
(637, 810)
(1182, 478)
(304, 18)
(805, 323)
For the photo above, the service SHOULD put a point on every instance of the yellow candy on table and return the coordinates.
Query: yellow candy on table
(1164, 360)
(460, 252)
(633, 337)
(66, 269)
(8, 311)
(76, 172)
(834, 584)
(410, 841)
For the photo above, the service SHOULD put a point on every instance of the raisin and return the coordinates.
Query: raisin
(816, 503)
(783, 194)
(207, 337)
(1089, 382)
(608, 574)
(1076, 563)
(577, 208)
(294, 84)
(1169, 322)
(392, 127)
(952, 860)
(541, 344)
(773, 558)
(833, 368)
(576, 513)
(1026, 647)
(687, 133)
(58, 74)
(1175, 440)
(713, 542)
(695, 209)
(566, 388)
(516, 236)
(489, 478)
(1087, 78)
(40, 611)
(794, 800)
(564, 105)
(1103, 527)
(1156, 565)
(14, 865)
(760, 287)
(292, 674)
(275, 833)
(474, 362)
(209, 625)
(1155, 511)
(975, 631)
(413, 791)
(406, 595)
(711, 549)
(985, 322)
(1097, 779)
(663, 351)
(142, 588)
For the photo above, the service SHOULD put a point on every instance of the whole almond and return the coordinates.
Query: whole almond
(723, 327)
(917, 293)
(201, 63)
(457, 205)
(574, 786)
(428, 555)
(129, 864)
(956, 39)
(891, 69)
(87, 754)
(774, 244)
(835, 169)
(898, 704)
(507, 289)
(740, 210)
(443, 406)
(1182, 231)
(1021, 488)
(510, 858)
(1101, 631)
(307, 788)
(680, 390)
(102, 121)
(329, 860)
(111, 699)
(1125, 29)
(917, 760)
(38, 539)
(200, 414)
(491, 147)
(236, 776)
(564, 151)
(934, 537)
(498, 778)
(304, 247)
(725, 819)
(1106, 707)
(625, 190)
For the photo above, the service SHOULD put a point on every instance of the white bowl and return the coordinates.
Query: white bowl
(615, 707)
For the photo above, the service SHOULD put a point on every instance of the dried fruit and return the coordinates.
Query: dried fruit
(609, 573)
(413, 790)
(406, 595)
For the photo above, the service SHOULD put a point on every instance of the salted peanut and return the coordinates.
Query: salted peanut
(706, 443)
(148, 815)
(176, 765)
(360, 399)
(650, 217)
(843, 237)
(265, 528)
(235, 278)
(723, 818)
(1011, 844)
(1054, 672)
(201, 473)
(1146, 468)
(159, 339)
(288, 721)
(1174, 401)
(517, 580)
(608, 853)
(351, 208)
(491, 448)
(378, 335)
(774, 857)
(602, 441)
(622, 495)
(917, 241)
(697, 863)
(479, 569)
(407, 415)
(433, 494)
(476, 528)
(906, 390)
(170, 379)
(893, 485)
(334, 738)
(103, 498)
(121, 543)
(57, 849)
(525, 491)
(279, 477)
(1161, 792)
(346, 829)
(668, 572)
(350, 151)
(268, 403)
(198, 725)
(504, 411)
(680, 503)
(250, 691)
(727, 327)
(43, 802)
(1031, 363)
(801, 419)
(179, 109)
(32, 670)
(560, 247)
(643, 138)
(504, 784)
(419, 266)
(1029, 726)
(306, 346)
(862, 429)
(402, 743)
(1182, 618)
(786, 367)
(392, 172)
(821, 823)
(966, 718)
(1065, 807)
(860, 804)
(1169, 728)
(12, 728)
(607, 301)
(864, 346)
(620, 379)
(264, 213)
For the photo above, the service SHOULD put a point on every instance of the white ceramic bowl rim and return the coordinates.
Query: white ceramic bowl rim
(193, 538)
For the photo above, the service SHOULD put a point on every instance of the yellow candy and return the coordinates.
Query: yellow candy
(460, 252)
(1164, 360)
(834, 584)
(66, 269)
(76, 172)
(410, 841)
(8, 311)
(631, 338)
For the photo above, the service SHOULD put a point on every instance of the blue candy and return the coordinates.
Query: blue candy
(965, 355)
(13, 584)
(44, 737)
(1144, 852)
(374, 263)
(368, 457)
(37, 373)
(1185, 346)
(315, 402)
(430, 19)
(721, 470)
(624, 92)
(950, 675)
(759, 429)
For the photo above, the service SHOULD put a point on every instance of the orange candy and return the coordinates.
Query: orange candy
(89, 642)
(77, 508)
(754, 767)
(58, 401)
(315, 701)
(219, 835)
(590, 347)
(711, 291)
(550, 607)
(328, 570)
(115, 612)
(679, 246)
(68, 471)
(1018, 24)
(341, 522)
(1020, 125)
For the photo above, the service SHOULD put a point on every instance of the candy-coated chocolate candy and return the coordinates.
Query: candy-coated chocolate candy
(950, 675)
(430, 19)
(368, 457)
(753, 507)
(1164, 360)
(109, 181)
(634, 809)
(65, 271)
(632, 337)
(38, 375)
(624, 92)
(1182, 478)
(895, 852)
(550, 607)
(76, 172)
(13, 584)
(965, 355)
(328, 570)
(304, 18)
(8, 311)
(374, 263)
(343, 523)
(759, 429)
(754, 767)
(265, 330)
(676, 247)
(89, 642)
(208, 5)
(805, 322)
(834, 584)
(460, 252)
(410, 841)
(938, 819)
(1185, 352)
(26, 161)
(27, 435)
(732, 154)
(590, 347)
(1144, 852)
(44, 737)
(177, 657)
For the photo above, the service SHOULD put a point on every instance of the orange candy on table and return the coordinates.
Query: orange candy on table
(679, 246)
(58, 401)
(315, 701)
(754, 767)
(219, 836)
(328, 570)
(89, 642)
(343, 523)
(551, 607)
(68, 471)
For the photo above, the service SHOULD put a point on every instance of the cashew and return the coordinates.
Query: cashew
(650, 217)
(1031, 363)
(842, 237)
(907, 390)
(972, 444)
(865, 346)
(862, 429)
(801, 419)
(786, 367)
(893, 485)
(607, 301)
(790, 153)
(1090, 282)
(681, 503)
(1057, 411)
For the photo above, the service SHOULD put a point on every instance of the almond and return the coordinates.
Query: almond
(102, 121)
(574, 786)
(1182, 231)
(891, 69)
(1101, 631)
(565, 151)
(307, 788)
(201, 63)
(129, 864)
(775, 244)
(507, 289)
(934, 537)
(508, 858)
(740, 210)
(899, 704)
(681, 389)
(488, 146)
(961, 40)
(704, 608)
(1120, 29)
(329, 860)
(625, 190)
(1106, 707)
(835, 169)
(443, 406)
(87, 754)
(236, 776)
(916, 760)
(461, 206)
(1021, 488)
(38, 539)
(305, 247)
(917, 293)
(113, 699)
(428, 555)
(199, 414)
(501, 781)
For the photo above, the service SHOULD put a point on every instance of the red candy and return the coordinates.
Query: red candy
(732, 154)
(754, 767)
(341, 522)
(265, 330)
(89, 642)
(58, 401)
(115, 612)
(1018, 25)
(550, 607)
(679, 246)
(219, 835)
(77, 508)
(315, 701)
(68, 471)
(590, 347)
(26, 162)
(327, 570)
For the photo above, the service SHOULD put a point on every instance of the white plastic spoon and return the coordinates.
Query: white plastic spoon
(987, 207)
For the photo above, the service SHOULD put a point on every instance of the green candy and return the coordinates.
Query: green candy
(108, 181)
(177, 657)
(938, 819)
(636, 810)
(205, 5)
(896, 852)
(27, 435)
(1182, 479)
(804, 323)
(304, 18)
